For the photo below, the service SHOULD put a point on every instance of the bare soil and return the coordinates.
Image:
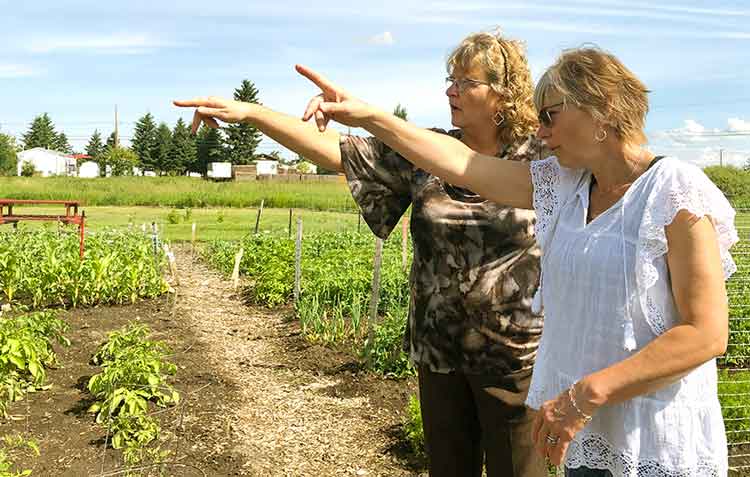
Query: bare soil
(258, 399)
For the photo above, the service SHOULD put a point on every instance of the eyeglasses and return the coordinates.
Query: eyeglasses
(545, 115)
(463, 83)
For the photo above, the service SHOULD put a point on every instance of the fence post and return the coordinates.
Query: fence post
(236, 270)
(260, 211)
(375, 296)
(290, 223)
(298, 261)
(192, 239)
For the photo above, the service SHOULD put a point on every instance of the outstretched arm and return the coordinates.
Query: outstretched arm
(313, 143)
(505, 182)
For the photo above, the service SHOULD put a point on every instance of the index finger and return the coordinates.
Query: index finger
(196, 102)
(321, 81)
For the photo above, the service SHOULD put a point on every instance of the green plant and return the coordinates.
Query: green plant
(385, 353)
(173, 217)
(412, 426)
(11, 446)
(134, 375)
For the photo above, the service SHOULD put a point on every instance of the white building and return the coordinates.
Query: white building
(270, 168)
(47, 163)
(88, 169)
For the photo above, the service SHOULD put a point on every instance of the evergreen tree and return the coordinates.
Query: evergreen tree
(144, 142)
(162, 149)
(95, 147)
(41, 133)
(210, 148)
(111, 140)
(62, 144)
(182, 154)
(400, 112)
(243, 139)
(8, 157)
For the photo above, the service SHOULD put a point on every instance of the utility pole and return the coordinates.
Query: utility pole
(721, 156)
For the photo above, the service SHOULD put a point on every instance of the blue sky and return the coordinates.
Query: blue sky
(76, 60)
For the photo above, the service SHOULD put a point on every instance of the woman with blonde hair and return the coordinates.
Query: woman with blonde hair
(471, 331)
(635, 252)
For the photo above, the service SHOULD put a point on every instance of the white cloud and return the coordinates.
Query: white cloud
(738, 125)
(692, 126)
(17, 71)
(113, 44)
(385, 38)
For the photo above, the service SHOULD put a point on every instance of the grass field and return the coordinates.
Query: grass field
(211, 223)
(180, 192)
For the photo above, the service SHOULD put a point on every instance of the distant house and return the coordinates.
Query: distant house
(88, 169)
(47, 163)
(267, 168)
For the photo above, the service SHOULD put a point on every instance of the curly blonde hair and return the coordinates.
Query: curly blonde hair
(504, 62)
(597, 82)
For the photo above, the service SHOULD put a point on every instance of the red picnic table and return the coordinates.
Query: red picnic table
(71, 214)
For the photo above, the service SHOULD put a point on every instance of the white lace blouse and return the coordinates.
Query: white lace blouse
(606, 294)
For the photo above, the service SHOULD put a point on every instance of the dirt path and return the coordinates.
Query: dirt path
(299, 409)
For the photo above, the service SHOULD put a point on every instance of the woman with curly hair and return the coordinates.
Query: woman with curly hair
(471, 331)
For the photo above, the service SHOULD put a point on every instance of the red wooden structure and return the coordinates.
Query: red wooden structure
(71, 214)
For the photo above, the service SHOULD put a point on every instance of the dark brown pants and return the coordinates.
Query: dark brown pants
(474, 419)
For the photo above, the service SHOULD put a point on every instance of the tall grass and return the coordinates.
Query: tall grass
(180, 192)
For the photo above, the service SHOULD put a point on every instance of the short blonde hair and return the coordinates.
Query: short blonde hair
(597, 82)
(504, 62)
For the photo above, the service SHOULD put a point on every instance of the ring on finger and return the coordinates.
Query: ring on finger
(552, 440)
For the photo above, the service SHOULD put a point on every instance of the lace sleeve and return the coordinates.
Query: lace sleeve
(679, 187)
(552, 185)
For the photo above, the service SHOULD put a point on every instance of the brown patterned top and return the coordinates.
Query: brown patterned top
(475, 267)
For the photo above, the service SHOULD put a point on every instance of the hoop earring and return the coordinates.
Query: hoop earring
(498, 119)
(603, 136)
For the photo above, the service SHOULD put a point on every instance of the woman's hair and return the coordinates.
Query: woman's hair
(504, 62)
(597, 82)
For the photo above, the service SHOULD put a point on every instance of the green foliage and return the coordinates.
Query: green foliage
(243, 139)
(95, 147)
(133, 378)
(144, 143)
(734, 395)
(121, 161)
(8, 157)
(12, 448)
(41, 133)
(173, 217)
(162, 148)
(733, 182)
(210, 144)
(62, 144)
(413, 428)
(182, 192)
(26, 349)
(40, 268)
(27, 169)
(183, 151)
(400, 112)
(336, 285)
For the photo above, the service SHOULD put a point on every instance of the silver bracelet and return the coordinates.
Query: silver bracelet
(571, 394)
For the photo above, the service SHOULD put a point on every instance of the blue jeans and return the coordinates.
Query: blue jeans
(586, 472)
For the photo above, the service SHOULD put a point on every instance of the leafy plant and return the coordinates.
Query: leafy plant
(412, 427)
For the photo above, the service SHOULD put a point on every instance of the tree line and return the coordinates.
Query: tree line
(154, 147)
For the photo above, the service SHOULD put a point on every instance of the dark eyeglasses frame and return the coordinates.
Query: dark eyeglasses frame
(545, 117)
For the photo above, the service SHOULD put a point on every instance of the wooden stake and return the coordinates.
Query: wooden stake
(298, 261)
(260, 211)
(192, 239)
(236, 271)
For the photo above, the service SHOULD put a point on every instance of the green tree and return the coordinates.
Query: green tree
(162, 149)
(400, 112)
(121, 161)
(182, 153)
(8, 157)
(210, 148)
(243, 139)
(62, 144)
(145, 141)
(95, 147)
(41, 133)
